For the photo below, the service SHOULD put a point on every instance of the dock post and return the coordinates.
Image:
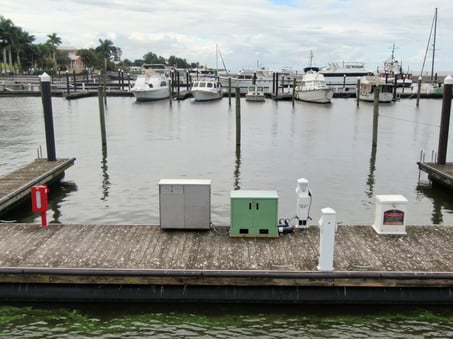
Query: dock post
(170, 92)
(102, 118)
(229, 91)
(179, 85)
(276, 86)
(294, 90)
(445, 120)
(238, 117)
(74, 80)
(46, 97)
(357, 92)
(419, 87)
(375, 115)
(67, 82)
(187, 81)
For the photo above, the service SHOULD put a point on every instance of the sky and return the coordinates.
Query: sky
(249, 33)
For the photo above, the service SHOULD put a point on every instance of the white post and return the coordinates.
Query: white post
(328, 226)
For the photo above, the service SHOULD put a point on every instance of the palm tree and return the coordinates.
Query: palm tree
(6, 32)
(106, 49)
(53, 41)
(23, 41)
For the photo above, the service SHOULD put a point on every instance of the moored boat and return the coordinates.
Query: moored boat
(153, 84)
(255, 93)
(369, 83)
(393, 73)
(206, 89)
(313, 88)
(343, 76)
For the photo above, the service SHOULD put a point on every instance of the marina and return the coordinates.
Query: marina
(141, 261)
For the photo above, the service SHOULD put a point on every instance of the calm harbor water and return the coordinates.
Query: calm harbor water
(330, 145)
(223, 321)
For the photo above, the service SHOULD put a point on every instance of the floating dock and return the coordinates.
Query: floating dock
(143, 263)
(439, 174)
(16, 186)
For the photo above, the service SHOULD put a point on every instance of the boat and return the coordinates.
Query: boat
(206, 89)
(369, 83)
(152, 84)
(433, 86)
(313, 87)
(255, 93)
(261, 76)
(342, 77)
(393, 69)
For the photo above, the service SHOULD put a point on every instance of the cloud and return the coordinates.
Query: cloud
(275, 33)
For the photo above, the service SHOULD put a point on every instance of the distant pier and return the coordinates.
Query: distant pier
(16, 186)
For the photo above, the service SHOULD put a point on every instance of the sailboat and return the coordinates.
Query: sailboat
(433, 86)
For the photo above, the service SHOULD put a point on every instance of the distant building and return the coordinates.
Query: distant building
(75, 62)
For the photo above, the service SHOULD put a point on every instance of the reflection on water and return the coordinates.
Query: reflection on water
(237, 169)
(370, 181)
(105, 176)
(328, 145)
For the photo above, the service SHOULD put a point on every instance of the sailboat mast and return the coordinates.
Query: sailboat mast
(434, 45)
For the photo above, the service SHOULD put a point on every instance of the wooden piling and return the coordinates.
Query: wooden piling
(419, 87)
(67, 83)
(375, 115)
(294, 91)
(102, 118)
(238, 117)
(229, 91)
(46, 97)
(74, 80)
(358, 92)
(445, 121)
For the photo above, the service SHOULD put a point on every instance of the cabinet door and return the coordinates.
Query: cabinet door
(172, 206)
(265, 213)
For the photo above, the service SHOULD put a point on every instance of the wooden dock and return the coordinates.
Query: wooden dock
(145, 263)
(439, 174)
(16, 186)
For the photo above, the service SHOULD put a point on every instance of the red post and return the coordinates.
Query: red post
(39, 202)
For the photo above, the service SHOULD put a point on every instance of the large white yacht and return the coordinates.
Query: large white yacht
(343, 76)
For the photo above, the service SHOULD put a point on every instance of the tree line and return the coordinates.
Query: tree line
(21, 54)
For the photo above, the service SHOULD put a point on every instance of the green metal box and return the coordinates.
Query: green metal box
(254, 213)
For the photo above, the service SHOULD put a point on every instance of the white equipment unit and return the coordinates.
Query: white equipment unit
(303, 202)
(185, 203)
(327, 229)
(390, 214)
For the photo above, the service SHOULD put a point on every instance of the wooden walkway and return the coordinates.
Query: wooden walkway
(357, 248)
(143, 263)
(441, 174)
(16, 186)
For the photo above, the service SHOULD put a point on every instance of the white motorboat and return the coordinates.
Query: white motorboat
(342, 77)
(255, 93)
(313, 87)
(154, 84)
(206, 89)
(392, 69)
(369, 83)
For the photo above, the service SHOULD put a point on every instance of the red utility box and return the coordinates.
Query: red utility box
(39, 201)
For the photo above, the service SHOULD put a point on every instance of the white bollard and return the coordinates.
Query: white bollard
(328, 226)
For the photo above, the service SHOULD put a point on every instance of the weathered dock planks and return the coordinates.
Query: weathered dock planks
(145, 263)
(16, 186)
(357, 248)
